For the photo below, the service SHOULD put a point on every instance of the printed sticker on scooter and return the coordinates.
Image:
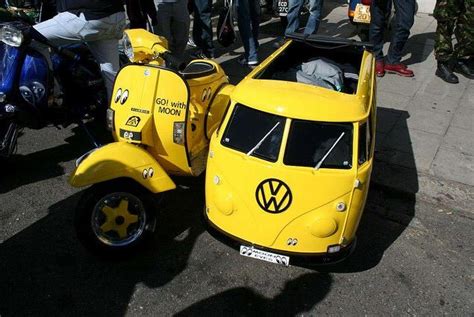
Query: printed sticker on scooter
(130, 135)
(133, 121)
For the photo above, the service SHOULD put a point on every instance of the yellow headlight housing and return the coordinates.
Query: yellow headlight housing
(143, 46)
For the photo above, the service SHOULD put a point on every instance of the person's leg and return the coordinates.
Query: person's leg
(378, 11)
(202, 27)
(106, 54)
(293, 16)
(102, 38)
(464, 48)
(180, 27)
(135, 14)
(163, 25)
(404, 18)
(58, 29)
(443, 47)
(315, 8)
(245, 29)
(255, 12)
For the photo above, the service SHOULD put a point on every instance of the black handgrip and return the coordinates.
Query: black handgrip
(172, 61)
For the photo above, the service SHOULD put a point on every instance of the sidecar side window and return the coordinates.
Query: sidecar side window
(255, 133)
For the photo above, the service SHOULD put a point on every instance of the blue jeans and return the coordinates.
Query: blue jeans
(248, 20)
(202, 26)
(315, 7)
(404, 18)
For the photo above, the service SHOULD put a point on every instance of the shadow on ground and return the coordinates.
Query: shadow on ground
(44, 270)
(20, 169)
(298, 296)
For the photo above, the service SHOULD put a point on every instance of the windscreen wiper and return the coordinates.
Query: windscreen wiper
(263, 139)
(329, 151)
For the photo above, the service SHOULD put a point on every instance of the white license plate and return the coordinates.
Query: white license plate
(251, 252)
(362, 13)
(283, 7)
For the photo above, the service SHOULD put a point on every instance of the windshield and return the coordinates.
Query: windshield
(319, 145)
(254, 133)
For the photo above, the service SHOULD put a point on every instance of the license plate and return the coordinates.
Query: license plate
(282, 8)
(251, 252)
(362, 13)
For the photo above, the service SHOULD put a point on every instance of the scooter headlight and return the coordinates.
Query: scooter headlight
(127, 47)
(109, 118)
(11, 36)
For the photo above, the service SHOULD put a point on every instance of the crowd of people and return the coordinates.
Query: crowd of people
(101, 22)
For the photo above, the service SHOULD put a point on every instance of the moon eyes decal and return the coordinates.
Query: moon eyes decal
(121, 96)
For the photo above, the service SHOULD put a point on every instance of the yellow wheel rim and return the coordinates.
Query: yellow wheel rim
(118, 219)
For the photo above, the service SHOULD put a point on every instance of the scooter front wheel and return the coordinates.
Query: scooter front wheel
(114, 218)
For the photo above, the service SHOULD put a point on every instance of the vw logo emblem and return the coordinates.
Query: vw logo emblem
(273, 195)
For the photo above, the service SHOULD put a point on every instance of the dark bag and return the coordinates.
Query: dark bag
(225, 26)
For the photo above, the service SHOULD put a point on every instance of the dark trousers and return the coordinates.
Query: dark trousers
(138, 12)
(404, 18)
(248, 12)
(454, 17)
(202, 26)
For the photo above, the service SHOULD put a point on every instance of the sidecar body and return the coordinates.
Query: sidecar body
(289, 168)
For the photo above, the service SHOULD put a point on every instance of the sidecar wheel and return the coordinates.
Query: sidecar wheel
(114, 218)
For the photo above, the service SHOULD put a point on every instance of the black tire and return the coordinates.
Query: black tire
(131, 218)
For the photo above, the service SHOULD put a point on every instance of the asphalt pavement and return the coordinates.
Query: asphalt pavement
(414, 254)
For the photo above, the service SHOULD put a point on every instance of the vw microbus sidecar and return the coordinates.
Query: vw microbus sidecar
(161, 121)
(289, 168)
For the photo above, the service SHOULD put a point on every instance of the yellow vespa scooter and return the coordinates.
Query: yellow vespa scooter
(161, 120)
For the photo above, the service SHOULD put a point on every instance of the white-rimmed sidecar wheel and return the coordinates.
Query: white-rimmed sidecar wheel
(114, 218)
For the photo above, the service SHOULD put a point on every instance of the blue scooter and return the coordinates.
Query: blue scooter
(36, 89)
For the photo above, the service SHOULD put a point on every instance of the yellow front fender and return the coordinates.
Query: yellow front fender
(120, 159)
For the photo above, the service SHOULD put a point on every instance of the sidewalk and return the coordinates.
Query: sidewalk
(425, 136)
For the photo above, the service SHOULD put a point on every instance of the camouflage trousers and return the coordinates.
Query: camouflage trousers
(454, 17)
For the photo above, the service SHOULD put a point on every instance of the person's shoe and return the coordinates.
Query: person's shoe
(199, 54)
(445, 72)
(279, 42)
(243, 61)
(191, 43)
(465, 68)
(399, 69)
(379, 68)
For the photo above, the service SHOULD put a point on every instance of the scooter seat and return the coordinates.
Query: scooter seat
(198, 69)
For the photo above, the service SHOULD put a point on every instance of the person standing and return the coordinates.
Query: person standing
(454, 17)
(380, 11)
(173, 24)
(202, 29)
(139, 11)
(100, 24)
(314, 19)
(248, 21)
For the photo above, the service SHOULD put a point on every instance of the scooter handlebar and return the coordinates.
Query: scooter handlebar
(173, 61)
